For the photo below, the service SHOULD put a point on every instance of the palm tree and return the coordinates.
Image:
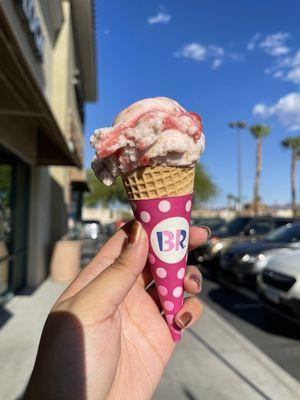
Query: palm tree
(258, 132)
(293, 143)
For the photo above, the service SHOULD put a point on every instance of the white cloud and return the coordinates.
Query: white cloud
(217, 63)
(253, 41)
(293, 75)
(287, 68)
(275, 45)
(199, 52)
(287, 110)
(160, 18)
(194, 51)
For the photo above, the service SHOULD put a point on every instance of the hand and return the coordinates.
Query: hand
(105, 337)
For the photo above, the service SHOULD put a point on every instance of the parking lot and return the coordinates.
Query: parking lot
(273, 332)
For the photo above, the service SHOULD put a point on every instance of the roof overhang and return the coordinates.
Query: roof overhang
(83, 13)
(22, 99)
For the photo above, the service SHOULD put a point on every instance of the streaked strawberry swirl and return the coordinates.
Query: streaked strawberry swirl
(155, 131)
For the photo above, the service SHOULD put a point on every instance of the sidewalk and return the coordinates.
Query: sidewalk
(212, 362)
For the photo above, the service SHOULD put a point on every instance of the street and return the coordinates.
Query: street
(275, 335)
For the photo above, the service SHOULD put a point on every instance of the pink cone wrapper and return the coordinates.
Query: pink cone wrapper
(166, 221)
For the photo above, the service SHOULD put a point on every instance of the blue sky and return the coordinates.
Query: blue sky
(225, 60)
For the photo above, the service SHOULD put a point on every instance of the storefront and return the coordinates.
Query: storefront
(14, 197)
(47, 72)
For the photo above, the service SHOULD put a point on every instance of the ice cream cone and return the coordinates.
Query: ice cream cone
(161, 199)
(155, 144)
(159, 181)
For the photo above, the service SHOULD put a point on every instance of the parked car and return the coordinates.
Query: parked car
(245, 260)
(279, 282)
(239, 229)
(92, 235)
(212, 223)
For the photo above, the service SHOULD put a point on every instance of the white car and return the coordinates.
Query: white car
(279, 282)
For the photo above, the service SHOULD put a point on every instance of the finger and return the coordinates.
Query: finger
(192, 280)
(105, 257)
(190, 313)
(106, 292)
(198, 236)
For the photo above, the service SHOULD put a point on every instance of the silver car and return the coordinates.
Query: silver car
(279, 282)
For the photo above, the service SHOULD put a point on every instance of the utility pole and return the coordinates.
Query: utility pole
(238, 125)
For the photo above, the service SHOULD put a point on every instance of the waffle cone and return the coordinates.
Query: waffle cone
(159, 181)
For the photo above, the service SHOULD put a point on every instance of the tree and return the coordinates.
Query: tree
(5, 184)
(258, 132)
(293, 143)
(205, 188)
(99, 193)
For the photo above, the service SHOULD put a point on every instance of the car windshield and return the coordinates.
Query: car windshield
(289, 233)
(235, 226)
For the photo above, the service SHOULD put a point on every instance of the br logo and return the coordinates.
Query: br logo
(169, 239)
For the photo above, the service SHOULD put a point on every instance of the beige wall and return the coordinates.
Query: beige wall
(63, 94)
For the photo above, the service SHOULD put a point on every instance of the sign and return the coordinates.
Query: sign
(32, 22)
(169, 239)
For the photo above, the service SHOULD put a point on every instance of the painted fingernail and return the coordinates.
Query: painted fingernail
(184, 320)
(197, 279)
(133, 230)
(207, 230)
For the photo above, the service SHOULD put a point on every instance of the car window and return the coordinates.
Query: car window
(279, 223)
(235, 226)
(289, 233)
(259, 227)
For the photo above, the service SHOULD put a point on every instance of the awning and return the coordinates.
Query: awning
(21, 99)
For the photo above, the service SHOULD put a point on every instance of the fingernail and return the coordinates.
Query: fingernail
(197, 279)
(133, 230)
(184, 320)
(207, 230)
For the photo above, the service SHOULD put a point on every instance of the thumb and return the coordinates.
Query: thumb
(107, 291)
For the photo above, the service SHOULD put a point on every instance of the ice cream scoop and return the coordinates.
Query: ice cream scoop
(150, 132)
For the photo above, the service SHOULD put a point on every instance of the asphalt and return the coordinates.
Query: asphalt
(276, 335)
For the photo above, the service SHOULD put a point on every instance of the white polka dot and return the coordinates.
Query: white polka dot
(162, 290)
(169, 318)
(161, 272)
(188, 205)
(177, 291)
(145, 216)
(168, 305)
(164, 206)
(180, 273)
(151, 258)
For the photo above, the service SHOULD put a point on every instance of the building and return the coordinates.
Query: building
(47, 73)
